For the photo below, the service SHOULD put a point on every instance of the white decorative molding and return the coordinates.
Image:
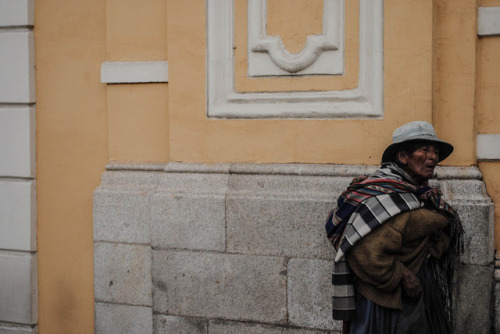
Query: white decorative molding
(134, 72)
(17, 66)
(16, 13)
(364, 101)
(488, 21)
(488, 147)
(322, 54)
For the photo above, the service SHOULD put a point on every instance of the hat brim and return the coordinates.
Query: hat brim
(445, 149)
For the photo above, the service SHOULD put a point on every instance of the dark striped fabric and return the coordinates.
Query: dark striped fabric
(370, 214)
(367, 203)
(386, 180)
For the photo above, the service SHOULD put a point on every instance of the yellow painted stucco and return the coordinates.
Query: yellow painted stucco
(491, 177)
(71, 136)
(435, 69)
(454, 77)
(487, 104)
(138, 122)
(136, 30)
(194, 138)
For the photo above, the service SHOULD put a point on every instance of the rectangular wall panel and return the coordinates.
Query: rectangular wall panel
(18, 288)
(17, 215)
(17, 67)
(17, 142)
(16, 13)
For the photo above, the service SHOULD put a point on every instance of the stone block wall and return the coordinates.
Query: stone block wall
(18, 248)
(184, 248)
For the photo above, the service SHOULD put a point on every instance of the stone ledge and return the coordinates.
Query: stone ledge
(284, 169)
(17, 329)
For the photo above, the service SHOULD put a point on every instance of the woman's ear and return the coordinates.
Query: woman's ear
(403, 157)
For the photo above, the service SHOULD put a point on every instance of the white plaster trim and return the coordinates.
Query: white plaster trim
(267, 55)
(15, 13)
(488, 147)
(19, 288)
(488, 21)
(134, 72)
(17, 141)
(17, 66)
(366, 100)
(18, 212)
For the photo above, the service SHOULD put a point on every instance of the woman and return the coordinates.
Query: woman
(396, 242)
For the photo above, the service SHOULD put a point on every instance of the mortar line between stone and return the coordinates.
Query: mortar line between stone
(123, 304)
(247, 322)
(226, 195)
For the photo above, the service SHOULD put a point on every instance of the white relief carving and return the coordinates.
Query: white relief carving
(366, 100)
(271, 48)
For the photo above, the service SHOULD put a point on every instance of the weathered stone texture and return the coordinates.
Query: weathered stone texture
(230, 327)
(472, 309)
(468, 190)
(280, 215)
(497, 308)
(309, 294)
(220, 286)
(164, 324)
(122, 273)
(122, 216)
(476, 211)
(18, 277)
(188, 212)
(478, 222)
(241, 248)
(17, 329)
(122, 208)
(122, 319)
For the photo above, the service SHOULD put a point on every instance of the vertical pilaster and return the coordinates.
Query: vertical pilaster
(454, 90)
(18, 261)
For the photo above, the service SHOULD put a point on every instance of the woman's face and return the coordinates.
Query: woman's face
(421, 163)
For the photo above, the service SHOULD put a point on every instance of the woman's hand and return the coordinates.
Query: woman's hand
(411, 283)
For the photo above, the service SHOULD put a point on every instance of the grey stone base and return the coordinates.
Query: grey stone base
(17, 329)
(185, 248)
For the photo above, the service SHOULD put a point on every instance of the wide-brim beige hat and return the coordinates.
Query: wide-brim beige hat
(416, 131)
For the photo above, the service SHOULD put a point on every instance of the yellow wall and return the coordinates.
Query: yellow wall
(71, 155)
(136, 30)
(194, 138)
(138, 122)
(454, 77)
(81, 126)
(420, 37)
(488, 117)
(429, 74)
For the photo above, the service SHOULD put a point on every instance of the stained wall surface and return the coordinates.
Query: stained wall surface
(435, 68)
(72, 150)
